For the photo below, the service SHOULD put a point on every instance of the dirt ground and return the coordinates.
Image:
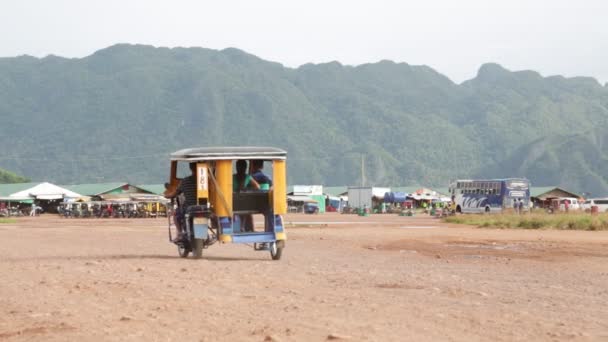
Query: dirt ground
(342, 277)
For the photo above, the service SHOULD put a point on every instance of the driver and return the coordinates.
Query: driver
(186, 196)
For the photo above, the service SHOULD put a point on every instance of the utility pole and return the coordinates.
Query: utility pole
(362, 170)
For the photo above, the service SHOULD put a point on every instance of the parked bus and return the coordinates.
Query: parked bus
(489, 196)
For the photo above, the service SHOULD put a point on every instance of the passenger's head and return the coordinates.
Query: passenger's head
(193, 168)
(257, 164)
(241, 167)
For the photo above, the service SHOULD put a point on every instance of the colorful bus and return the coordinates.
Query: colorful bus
(489, 196)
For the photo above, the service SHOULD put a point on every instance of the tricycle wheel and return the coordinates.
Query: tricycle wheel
(183, 250)
(197, 248)
(276, 250)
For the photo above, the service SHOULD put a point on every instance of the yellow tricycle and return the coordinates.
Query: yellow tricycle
(226, 189)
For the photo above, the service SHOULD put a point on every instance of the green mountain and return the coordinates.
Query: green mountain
(7, 177)
(578, 161)
(117, 114)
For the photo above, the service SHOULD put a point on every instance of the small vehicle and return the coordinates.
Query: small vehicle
(75, 210)
(85, 211)
(119, 210)
(601, 203)
(311, 208)
(95, 209)
(106, 210)
(573, 203)
(63, 210)
(131, 210)
(222, 214)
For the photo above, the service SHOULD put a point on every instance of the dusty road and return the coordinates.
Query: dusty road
(378, 278)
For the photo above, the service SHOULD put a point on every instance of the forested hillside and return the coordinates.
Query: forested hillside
(115, 115)
(7, 177)
(581, 161)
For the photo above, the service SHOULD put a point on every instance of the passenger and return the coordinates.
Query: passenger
(186, 196)
(241, 180)
(256, 172)
(520, 206)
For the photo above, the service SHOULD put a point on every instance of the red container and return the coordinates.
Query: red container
(595, 210)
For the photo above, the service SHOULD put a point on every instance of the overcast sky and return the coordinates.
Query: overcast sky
(454, 37)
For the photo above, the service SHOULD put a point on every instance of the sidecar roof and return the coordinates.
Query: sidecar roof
(229, 153)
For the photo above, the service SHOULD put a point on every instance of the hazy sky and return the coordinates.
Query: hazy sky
(454, 37)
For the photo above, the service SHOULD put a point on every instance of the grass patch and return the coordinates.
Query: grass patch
(570, 221)
(7, 220)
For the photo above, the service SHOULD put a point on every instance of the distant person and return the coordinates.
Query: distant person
(566, 205)
(257, 173)
(520, 206)
(33, 210)
(515, 206)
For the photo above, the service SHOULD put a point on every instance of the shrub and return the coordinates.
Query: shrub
(570, 221)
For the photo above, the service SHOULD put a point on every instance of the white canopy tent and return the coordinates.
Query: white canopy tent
(14, 199)
(45, 191)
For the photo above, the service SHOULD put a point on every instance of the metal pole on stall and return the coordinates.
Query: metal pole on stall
(362, 170)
